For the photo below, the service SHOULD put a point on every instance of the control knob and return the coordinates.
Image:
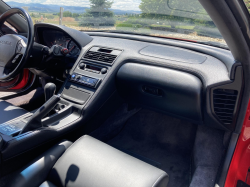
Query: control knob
(104, 70)
(82, 66)
(78, 77)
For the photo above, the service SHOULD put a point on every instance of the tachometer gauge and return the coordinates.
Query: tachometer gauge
(73, 49)
(61, 41)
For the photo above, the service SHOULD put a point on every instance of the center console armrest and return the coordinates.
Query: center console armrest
(15, 143)
(36, 120)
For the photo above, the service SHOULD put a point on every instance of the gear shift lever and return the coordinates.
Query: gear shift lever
(49, 90)
(35, 121)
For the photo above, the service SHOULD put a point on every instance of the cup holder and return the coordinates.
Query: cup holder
(59, 107)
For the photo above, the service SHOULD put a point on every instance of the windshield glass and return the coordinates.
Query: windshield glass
(181, 19)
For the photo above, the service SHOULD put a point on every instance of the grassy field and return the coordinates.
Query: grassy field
(66, 21)
(71, 22)
(189, 27)
(125, 26)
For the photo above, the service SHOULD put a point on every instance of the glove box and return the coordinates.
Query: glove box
(170, 91)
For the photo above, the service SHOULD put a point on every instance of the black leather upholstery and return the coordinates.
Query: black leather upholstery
(9, 111)
(47, 184)
(36, 173)
(91, 163)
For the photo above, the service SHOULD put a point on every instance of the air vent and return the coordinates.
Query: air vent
(99, 56)
(224, 101)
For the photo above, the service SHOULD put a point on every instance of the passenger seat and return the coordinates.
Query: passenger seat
(89, 163)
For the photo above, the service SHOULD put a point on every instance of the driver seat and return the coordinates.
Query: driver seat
(9, 111)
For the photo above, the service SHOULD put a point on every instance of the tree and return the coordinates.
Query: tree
(66, 14)
(247, 2)
(50, 16)
(34, 15)
(75, 15)
(98, 14)
(173, 11)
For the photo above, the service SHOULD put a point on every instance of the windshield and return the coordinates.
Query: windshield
(180, 19)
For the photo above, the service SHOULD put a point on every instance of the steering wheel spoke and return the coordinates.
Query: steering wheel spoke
(5, 71)
(21, 47)
(1, 71)
(16, 59)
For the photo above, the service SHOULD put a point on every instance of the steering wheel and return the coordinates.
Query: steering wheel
(14, 49)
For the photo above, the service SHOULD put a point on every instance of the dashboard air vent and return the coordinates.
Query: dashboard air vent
(103, 57)
(224, 101)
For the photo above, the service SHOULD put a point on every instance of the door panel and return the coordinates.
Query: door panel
(18, 84)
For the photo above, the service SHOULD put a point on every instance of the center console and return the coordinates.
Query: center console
(89, 73)
(86, 77)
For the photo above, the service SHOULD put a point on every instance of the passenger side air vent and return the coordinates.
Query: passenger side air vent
(102, 54)
(224, 101)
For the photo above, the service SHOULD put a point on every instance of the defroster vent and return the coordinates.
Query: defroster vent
(224, 101)
(102, 54)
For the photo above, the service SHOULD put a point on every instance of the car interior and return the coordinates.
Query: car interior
(110, 109)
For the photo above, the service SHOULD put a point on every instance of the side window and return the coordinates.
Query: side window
(247, 3)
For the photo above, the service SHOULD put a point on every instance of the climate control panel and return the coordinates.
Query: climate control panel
(87, 81)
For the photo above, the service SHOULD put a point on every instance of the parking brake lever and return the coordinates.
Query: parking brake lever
(36, 120)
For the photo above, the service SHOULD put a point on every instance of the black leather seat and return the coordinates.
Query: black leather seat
(89, 163)
(9, 111)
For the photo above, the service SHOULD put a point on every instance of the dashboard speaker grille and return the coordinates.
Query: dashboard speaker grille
(102, 57)
(224, 101)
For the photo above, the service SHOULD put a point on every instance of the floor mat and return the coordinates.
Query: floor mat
(161, 139)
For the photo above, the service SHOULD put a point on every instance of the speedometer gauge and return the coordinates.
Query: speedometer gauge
(73, 49)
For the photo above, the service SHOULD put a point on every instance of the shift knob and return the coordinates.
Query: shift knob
(49, 90)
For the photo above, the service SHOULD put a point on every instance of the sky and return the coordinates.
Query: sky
(118, 4)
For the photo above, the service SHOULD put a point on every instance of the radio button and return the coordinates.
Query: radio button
(84, 79)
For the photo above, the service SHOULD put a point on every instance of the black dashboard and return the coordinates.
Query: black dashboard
(198, 83)
(179, 78)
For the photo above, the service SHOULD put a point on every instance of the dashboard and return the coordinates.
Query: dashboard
(52, 37)
(179, 78)
(198, 83)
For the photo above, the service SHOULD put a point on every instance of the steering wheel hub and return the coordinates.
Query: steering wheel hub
(9, 47)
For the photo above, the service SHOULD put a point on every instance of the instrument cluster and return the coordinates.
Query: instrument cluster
(54, 37)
